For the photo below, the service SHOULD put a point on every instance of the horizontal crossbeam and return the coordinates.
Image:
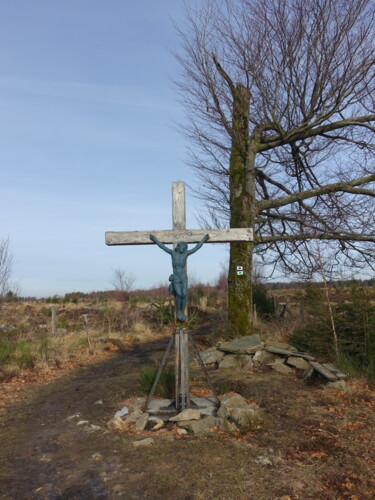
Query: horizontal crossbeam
(174, 236)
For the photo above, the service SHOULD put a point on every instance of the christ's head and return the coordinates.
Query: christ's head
(181, 247)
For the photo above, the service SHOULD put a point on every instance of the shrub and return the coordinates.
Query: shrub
(166, 384)
(164, 312)
(355, 326)
(53, 300)
(264, 304)
(355, 323)
(62, 322)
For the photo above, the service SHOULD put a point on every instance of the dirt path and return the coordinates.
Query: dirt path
(314, 441)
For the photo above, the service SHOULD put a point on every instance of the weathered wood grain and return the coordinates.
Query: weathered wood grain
(173, 236)
(178, 205)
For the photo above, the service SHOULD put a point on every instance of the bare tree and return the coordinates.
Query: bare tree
(6, 264)
(123, 282)
(280, 101)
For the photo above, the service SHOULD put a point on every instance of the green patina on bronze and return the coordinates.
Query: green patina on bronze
(179, 280)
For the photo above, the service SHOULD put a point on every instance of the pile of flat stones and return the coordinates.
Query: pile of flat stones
(250, 352)
(234, 414)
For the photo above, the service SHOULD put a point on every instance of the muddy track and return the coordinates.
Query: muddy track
(44, 454)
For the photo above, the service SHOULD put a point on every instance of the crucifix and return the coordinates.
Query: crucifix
(179, 236)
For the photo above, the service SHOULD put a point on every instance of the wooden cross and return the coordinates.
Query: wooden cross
(177, 234)
(179, 231)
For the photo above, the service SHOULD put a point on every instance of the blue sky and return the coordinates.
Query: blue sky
(88, 142)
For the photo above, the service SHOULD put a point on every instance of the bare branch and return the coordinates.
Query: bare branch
(223, 74)
(347, 187)
(307, 237)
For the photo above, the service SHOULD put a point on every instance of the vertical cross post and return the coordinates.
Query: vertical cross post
(178, 206)
(181, 337)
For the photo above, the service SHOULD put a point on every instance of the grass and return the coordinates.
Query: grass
(24, 357)
(6, 351)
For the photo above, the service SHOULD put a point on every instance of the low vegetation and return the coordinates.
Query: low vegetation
(84, 324)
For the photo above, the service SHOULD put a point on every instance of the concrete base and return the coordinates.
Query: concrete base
(206, 406)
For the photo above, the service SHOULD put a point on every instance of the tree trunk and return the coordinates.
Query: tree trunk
(242, 198)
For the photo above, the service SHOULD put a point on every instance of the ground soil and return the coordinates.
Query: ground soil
(312, 444)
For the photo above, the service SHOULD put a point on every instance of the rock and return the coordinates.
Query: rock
(83, 422)
(234, 401)
(97, 457)
(134, 415)
(236, 361)
(118, 488)
(188, 414)
(309, 374)
(99, 402)
(280, 345)
(241, 416)
(143, 442)
(120, 413)
(206, 407)
(261, 460)
(243, 345)
(95, 427)
(288, 352)
(76, 415)
(298, 363)
(140, 402)
(117, 424)
(228, 426)
(211, 356)
(201, 426)
(262, 357)
(238, 410)
(338, 385)
(141, 423)
(340, 375)
(155, 423)
(182, 431)
(331, 377)
(282, 368)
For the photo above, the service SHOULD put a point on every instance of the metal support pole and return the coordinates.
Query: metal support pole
(155, 383)
(183, 381)
(177, 369)
(199, 358)
(182, 369)
(185, 356)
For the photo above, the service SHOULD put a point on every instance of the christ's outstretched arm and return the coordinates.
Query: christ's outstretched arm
(199, 245)
(160, 244)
